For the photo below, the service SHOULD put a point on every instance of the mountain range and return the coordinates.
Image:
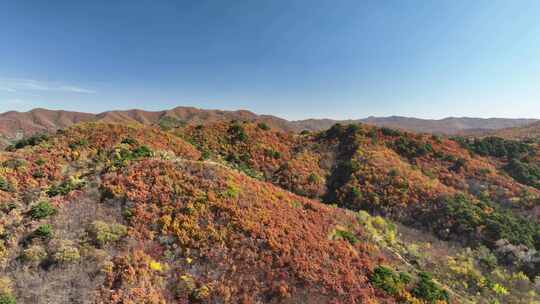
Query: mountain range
(42, 120)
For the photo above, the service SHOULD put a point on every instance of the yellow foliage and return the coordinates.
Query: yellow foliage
(499, 289)
(166, 222)
(187, 283)
(201, 293)
(519, 277)
(5, 285)
(156, 266)
(378, 228)
(5, 171)
(379, 222)
(107, 267)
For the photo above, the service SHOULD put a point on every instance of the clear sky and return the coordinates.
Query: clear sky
(295, 59)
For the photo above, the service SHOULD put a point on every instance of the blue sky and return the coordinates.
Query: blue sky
(295, 59)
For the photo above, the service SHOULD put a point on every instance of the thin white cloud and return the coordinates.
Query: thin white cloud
(22, 85)
(76, 90)
(7, 89)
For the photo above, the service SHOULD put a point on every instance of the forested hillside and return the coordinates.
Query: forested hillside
(242, 212)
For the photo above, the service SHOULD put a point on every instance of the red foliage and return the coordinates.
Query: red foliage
(248, 239)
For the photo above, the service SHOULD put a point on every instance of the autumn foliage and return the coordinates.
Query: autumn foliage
(238, 212)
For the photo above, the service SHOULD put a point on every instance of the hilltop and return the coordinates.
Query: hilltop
(236, 211)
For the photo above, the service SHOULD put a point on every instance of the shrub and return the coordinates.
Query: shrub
(386, 279)
(43, 231)
(5, 285)
(38, 173)
(464, 218)
(496, 147)
(123, 155)
(458, 164)
(201, 293)
(14, 163)
(65, 187)
(5, 185)
(231, 192)
(499, 289)
(7, 299)
(356, 194)
(448, 157)
(411, 148)
(345, 235)
(524, 173)
(188, 279)
(5, 291)
(272, 153)
(390, 132)
(188, 285)
(42, 210)
(263, 126)
(334, 132)
(142, 151)
(78, 143)
(30, 141)
(377, 227)
(352, 129)
(34, 253)
(343, 133)
(205, 154)
(244, 167)
(237, 133)
(428, 290)
(313, 178)
(373, 135)
(103, 233)
(65, 251)
(484, 171)
(436, 138)
(130, 141)
(167, 123)
(487, 258)
(7, 207)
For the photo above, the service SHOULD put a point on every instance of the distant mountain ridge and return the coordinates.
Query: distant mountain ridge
(529, 131)
(14, 123)
(449, 125)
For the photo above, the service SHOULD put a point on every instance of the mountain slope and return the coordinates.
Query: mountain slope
(452, 190)
(104, 213)
(239, 212)
(39, 120)
(310, 164)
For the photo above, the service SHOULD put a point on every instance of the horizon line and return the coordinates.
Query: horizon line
(273, 115)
